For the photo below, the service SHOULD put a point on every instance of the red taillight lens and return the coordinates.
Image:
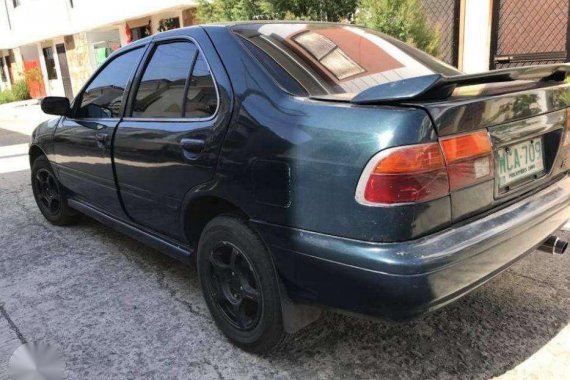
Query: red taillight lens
(419, 173)
(407, 174)
(469, 159)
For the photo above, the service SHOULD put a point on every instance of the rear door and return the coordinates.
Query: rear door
(82, 142)
(169, 141)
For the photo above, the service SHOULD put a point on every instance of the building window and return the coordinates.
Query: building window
(3, 77)
(168, 24)
(50, 63)
(17, 3)
(141, 32)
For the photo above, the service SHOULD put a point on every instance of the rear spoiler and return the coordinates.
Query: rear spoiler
(439, 87)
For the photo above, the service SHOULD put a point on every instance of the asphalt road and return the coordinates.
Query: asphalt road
(119, 310)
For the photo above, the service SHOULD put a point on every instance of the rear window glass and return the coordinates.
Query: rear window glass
(329, 59)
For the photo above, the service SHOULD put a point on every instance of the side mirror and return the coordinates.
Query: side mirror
(55, 105)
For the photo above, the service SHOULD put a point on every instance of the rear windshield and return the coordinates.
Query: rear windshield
(334, 59)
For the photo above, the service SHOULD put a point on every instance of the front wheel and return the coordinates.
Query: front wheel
(240, 285)
(49, 195)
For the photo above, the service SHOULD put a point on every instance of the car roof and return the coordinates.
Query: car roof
(263, 22)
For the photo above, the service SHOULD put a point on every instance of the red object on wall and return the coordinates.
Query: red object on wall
(35, 86)
(128, 33)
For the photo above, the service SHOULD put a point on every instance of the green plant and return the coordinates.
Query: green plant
(168, 24)
(6, 96)
(19, 91)
(316, 10)
(229, 10)
(403, 19)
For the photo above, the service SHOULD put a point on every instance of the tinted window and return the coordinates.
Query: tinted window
(338, 59)
(161, 90)
(277, 72)
(104, 95)
(201, 99)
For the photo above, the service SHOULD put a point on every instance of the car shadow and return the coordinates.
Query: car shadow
(483, 335)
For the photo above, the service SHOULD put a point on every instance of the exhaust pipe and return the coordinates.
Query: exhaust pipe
(554, 245)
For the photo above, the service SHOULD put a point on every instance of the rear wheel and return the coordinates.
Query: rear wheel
(240, 285)
(48, 193)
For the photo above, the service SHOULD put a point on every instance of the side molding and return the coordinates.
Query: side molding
(178, 252)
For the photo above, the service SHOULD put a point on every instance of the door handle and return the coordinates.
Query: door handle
(192, 145)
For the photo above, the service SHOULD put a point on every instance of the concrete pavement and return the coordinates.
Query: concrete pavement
(117, 309)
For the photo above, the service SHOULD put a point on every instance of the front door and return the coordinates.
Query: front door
(169, 141)
(82, 142)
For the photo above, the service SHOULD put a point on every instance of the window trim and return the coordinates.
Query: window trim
(79, 98)
(127, 115)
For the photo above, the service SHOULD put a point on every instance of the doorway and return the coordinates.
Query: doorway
(64, 69)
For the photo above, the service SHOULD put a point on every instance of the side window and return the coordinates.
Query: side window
(201, 100)
(104, 95)
(162, 86)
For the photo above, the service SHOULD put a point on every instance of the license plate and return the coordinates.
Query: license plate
(520, 161)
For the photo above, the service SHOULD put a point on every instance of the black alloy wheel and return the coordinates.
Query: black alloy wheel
(235, 286)
(240, 284)
(48, 192)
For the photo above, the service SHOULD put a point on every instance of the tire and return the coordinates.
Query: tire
(49, 194)
(243, 297)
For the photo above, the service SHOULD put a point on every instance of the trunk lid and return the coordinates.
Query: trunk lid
(524, 111)
(527, 125)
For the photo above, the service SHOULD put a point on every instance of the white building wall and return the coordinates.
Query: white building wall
(33, 21)
(477, 35)
(38, 20)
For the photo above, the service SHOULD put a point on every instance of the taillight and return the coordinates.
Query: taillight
(469, 159)
(419, 173)
(406, 174)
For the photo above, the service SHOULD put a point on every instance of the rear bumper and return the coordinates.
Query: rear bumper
(402, 280)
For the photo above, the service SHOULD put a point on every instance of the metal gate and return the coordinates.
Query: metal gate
(444, 15)
(530, 32)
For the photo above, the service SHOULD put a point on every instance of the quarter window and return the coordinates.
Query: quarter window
(176, 83)
(201, 100)
(162, 86)
(104, 96)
